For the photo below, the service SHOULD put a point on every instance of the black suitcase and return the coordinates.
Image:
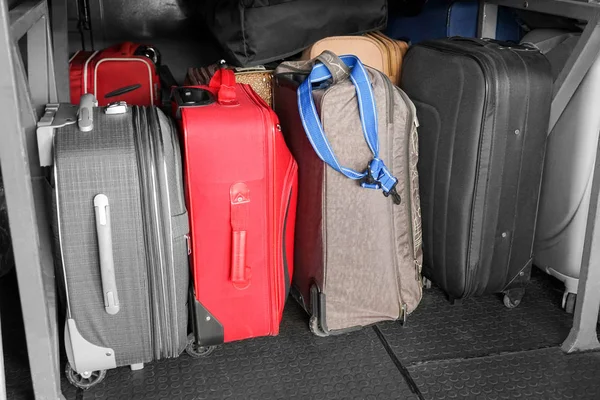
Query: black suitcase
(484, 108)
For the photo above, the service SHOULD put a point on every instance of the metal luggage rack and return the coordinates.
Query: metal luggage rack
(25, 91)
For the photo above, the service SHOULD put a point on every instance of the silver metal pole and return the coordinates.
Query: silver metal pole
(2, 375)
(24, 187)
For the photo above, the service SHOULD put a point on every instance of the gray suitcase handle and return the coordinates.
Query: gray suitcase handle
(85, 115)
(105, 248)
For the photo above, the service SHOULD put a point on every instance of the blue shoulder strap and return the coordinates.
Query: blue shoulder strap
(376, 175)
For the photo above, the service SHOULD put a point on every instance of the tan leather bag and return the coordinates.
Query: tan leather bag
(259, 78)
(374, 49)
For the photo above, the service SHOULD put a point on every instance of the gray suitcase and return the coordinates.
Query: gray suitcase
(122, 229)
(568, 169)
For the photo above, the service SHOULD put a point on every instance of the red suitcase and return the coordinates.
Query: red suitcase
(241, 187)
(125, 72)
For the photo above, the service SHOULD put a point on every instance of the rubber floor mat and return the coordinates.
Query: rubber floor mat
(540, 374)
(446, 352)
(295, 365)
(481, 326)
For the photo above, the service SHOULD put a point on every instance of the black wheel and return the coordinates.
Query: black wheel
(570, 303)
(86, 380)
(513, 297)
(315, 328)
(196, 351)
(508, 303)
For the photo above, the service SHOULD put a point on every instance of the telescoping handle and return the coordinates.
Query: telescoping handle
(224, 82)
(240, 213)
(105, 249)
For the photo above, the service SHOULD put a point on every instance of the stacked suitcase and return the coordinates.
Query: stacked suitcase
(125, 72)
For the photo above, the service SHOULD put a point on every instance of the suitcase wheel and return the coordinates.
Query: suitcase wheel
(513, 297)
(315, 327)
(85, 380)
(196, 351)
(426, 283)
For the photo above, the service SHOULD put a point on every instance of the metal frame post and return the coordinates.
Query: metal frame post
(488, 20)
(60, 40)
(24, 183)
(583, 335)
(2, 376)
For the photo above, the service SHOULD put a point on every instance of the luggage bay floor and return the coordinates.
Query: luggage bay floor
(477, 349)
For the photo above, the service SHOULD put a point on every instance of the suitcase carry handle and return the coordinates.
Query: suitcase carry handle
(224, 82)
(85, 115)
(128, 48)
(105, 251)
(376, 175)
(239, 195)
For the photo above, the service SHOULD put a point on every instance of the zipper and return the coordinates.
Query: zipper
(165, 206)
(471, 272)
(389, 93)
(411, 125)
(160, 233)
(387, 47)
(144, 168)
(275, 275)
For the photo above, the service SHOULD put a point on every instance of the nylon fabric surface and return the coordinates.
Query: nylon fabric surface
(115, 159)
(369, 266)
(104, 161)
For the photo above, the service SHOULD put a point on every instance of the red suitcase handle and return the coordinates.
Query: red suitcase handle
(224, 82)
(128, 48)
(240, 211)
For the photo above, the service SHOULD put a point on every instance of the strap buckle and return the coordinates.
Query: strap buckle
(379, 177)
(394, 194)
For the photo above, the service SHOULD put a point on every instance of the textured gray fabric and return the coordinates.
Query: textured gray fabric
(371, 247)
(135, 161)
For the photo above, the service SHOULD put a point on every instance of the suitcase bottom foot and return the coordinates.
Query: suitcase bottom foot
(136, 367)
(315, 327)
(454, 302)
(84, 380)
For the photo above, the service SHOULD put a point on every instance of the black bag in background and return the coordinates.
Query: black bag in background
(531, 20)
(407, 8)
(255, 32)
